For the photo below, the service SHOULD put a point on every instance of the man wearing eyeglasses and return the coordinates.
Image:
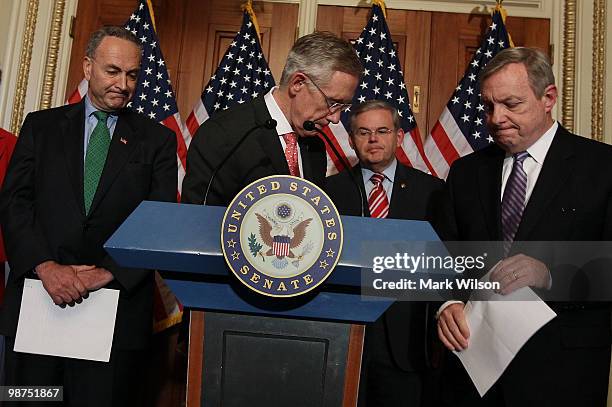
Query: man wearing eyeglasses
(317, 84)
(76, 173)
(394, 350)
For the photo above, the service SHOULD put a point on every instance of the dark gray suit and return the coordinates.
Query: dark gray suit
(260, 155)
(43, 218)
(565, 363)
(399, 337)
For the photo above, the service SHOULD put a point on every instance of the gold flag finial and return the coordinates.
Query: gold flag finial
(248, 7)
(504, 15)
(381, 4)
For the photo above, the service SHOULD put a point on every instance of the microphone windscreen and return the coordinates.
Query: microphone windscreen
(270, 124)
(309, 125)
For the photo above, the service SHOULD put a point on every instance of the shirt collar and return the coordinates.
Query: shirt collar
(282, 124)
(388, 172)
(91, 109)
(539, 149)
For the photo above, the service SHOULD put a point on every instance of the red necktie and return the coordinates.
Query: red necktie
(291, 153)
(378, 201)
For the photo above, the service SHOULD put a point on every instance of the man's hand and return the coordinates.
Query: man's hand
(61, 282)
(453, 329)
(520, 271)
(93, 277)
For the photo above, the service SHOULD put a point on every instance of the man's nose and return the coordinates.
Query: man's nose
(121, 82)
(334, 117)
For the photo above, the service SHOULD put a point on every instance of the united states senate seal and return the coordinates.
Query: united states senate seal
(281, 236)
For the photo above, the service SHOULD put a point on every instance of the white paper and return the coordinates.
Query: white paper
(499, 327)
(84, 331)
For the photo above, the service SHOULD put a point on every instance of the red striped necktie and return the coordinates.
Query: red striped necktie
(378, 202)
(291, 153)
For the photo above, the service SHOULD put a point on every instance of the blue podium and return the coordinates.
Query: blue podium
(248, 349)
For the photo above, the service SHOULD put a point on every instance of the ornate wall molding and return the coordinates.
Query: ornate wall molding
(569, 64)
(55, 34)
(24, 66)
(599, 74)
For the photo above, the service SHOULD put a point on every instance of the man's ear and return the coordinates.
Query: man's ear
(400, 137)
(550, 97)
(87, 67)
(296, 83)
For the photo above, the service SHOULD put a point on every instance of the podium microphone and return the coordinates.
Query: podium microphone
(269, 124)
(310, 126)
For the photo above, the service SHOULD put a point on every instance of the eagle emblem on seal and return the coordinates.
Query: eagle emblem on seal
(283, 233)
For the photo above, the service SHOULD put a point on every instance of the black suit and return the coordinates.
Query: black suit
(259, 156)
(43, 215)
(400, 336)
(566, 362)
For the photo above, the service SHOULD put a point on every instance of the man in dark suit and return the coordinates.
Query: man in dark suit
(318, 82)
(77, 172)
(537, 183)
(394, 351)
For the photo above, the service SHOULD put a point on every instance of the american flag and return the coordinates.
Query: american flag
(243, 74)
(153, 97)
(383, 79)
(461, 129)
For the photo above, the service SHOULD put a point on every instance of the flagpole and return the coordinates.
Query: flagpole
(499, 7)
(248, 7)
(150, 6)
(382, 5)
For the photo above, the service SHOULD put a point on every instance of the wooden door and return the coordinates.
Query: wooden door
(193, 35)
(434, 48)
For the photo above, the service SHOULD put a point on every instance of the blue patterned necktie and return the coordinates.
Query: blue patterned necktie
(513, 201)
(97, 149)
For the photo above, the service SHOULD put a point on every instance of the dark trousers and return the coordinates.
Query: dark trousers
(382, 382)
(86, 383)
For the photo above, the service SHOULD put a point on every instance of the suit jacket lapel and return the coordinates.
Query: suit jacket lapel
(558, 166)
(489, 184)
(268, 139)
(72, 131)
(124, 140)
(401, 205)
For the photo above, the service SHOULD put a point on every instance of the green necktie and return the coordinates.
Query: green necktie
(97, 149)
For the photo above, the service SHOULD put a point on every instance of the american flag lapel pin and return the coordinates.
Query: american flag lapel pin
(124, 141)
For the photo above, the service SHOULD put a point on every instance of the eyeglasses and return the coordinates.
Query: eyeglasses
(332, 105)
(383, 131)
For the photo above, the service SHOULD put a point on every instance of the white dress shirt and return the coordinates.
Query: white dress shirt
(282, 124)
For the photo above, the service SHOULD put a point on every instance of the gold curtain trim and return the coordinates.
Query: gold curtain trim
(25, 59)
(569, 64)
(599, 72)
(55, 33)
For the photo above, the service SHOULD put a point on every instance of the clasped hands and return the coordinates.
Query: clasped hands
(69, 284)
(512, 273)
